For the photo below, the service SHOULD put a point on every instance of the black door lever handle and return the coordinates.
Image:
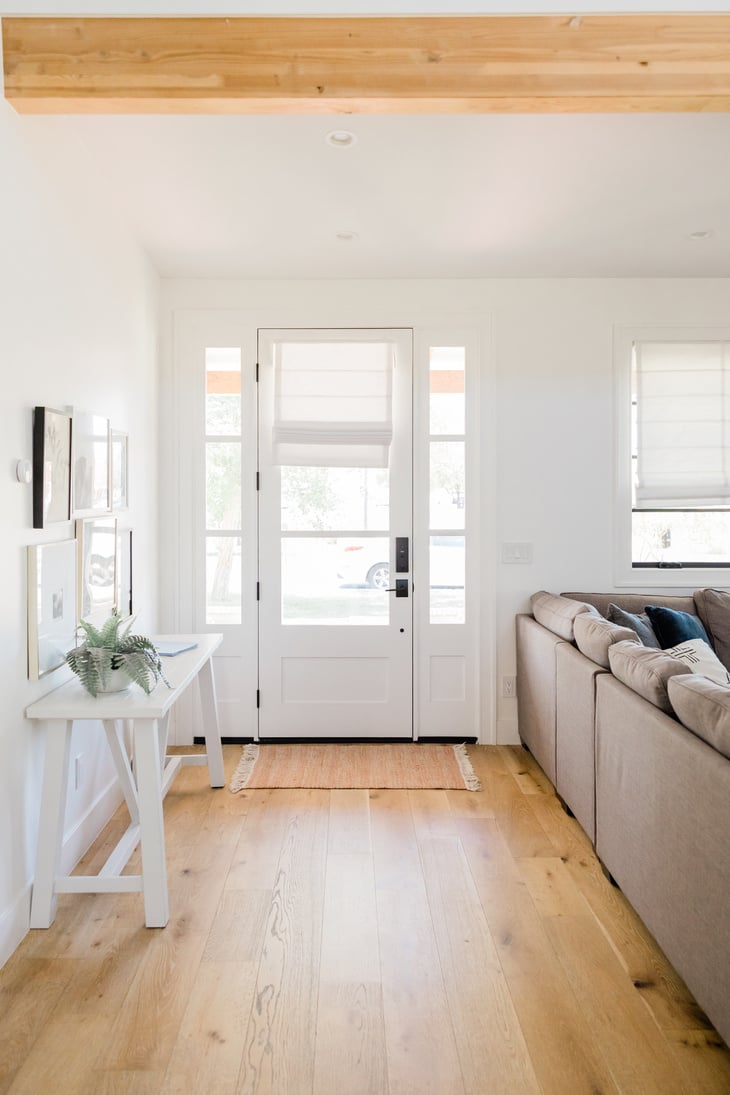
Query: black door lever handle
(400, 588)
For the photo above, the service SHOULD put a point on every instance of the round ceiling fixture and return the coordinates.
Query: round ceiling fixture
(341, 138)
(704, 234)
(347, 237)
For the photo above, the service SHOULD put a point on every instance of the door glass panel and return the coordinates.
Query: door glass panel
(446, 567)
(314, 499)
(223, 484)
(334, 581)
(223, 579)
(446, 388)
(447, 484)
(223, 391)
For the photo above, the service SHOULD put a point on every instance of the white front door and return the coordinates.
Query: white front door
(335, 534)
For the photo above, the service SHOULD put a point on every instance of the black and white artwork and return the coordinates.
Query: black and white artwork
(51, 467)
(51, 605)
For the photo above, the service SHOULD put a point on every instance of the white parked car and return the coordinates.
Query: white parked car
(365, 562)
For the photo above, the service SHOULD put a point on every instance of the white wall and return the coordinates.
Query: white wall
(547, 383)
(78, 326)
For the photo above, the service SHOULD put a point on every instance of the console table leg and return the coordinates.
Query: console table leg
(206, 683)
(152, 831)
(50, 829)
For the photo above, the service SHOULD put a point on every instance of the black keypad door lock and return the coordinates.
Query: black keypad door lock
(401, 555)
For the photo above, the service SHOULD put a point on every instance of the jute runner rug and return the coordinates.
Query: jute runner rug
(407, 766)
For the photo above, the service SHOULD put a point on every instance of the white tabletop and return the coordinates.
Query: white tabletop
(72, 701)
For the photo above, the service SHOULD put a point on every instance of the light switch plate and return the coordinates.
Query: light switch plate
(516, 553)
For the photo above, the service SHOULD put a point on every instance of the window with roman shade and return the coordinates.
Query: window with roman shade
(682, 395)
(333, 404)
(681, 453)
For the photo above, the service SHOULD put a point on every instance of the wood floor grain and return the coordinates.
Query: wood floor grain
(358, 943)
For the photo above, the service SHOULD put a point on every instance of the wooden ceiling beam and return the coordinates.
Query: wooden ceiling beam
(435, 64)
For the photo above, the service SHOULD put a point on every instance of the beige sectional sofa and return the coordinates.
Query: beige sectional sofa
(638, 748)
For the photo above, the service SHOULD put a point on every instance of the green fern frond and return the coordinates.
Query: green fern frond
(104, 650)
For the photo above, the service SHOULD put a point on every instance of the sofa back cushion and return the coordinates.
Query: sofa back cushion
(633, 602)
(557, 613)
(704, 708)
(594, 635)
(713, 607)
(645, 671)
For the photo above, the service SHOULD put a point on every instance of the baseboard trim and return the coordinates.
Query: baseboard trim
(14, 925)
(507, 732)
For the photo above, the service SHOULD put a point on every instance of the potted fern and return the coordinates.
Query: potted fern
(109, 658)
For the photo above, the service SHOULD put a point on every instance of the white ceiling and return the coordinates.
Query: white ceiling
(463, 196)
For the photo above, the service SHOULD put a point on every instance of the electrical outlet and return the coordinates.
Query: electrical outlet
(509, 687)
(78, 771)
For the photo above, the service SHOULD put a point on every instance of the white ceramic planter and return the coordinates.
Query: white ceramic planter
(116, 681)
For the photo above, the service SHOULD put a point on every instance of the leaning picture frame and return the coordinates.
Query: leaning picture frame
(51, 466)
(125, 594)
(97, 567)
(119, 470)
(90, 452)
(52, 616)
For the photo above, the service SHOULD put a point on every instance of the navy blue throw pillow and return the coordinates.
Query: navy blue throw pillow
(672, 627)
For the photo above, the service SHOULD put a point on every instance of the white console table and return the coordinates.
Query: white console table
(144, 784)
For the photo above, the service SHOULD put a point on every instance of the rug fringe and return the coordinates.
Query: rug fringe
(471, 779)
(245, 768)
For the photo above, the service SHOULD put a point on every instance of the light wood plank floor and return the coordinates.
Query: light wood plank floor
(358, 943)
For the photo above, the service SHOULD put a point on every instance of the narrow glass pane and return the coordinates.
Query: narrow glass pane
(682, 537)
(329, 581)
(314, 499)
(223, 580)
(447, 484)
(447, 598)
(223, 390)
(223, 485)
(446, 387)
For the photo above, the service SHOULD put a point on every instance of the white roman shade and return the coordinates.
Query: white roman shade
(682, 392)
(333, 404)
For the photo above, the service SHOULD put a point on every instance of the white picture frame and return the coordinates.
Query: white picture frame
(90, 448)
(119, 470)
(52, 606)
(98, 562)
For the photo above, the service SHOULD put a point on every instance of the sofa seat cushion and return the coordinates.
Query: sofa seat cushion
(557, 613)
(594, 635)
(672, 627)
(702, 659)
(704, 708)
(638, 622)
(713, 607)
(645, 671)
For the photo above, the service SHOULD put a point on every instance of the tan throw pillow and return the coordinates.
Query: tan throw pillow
(704, 708)
(645, 671)
(594, 635)
(700, 658)
(713, 608)
(557, 613)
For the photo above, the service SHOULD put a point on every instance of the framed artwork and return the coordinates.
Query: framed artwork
(120, 468)
(124, 577)
(97, 567)
(90, 452)
(51, 606)
(51, 467)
